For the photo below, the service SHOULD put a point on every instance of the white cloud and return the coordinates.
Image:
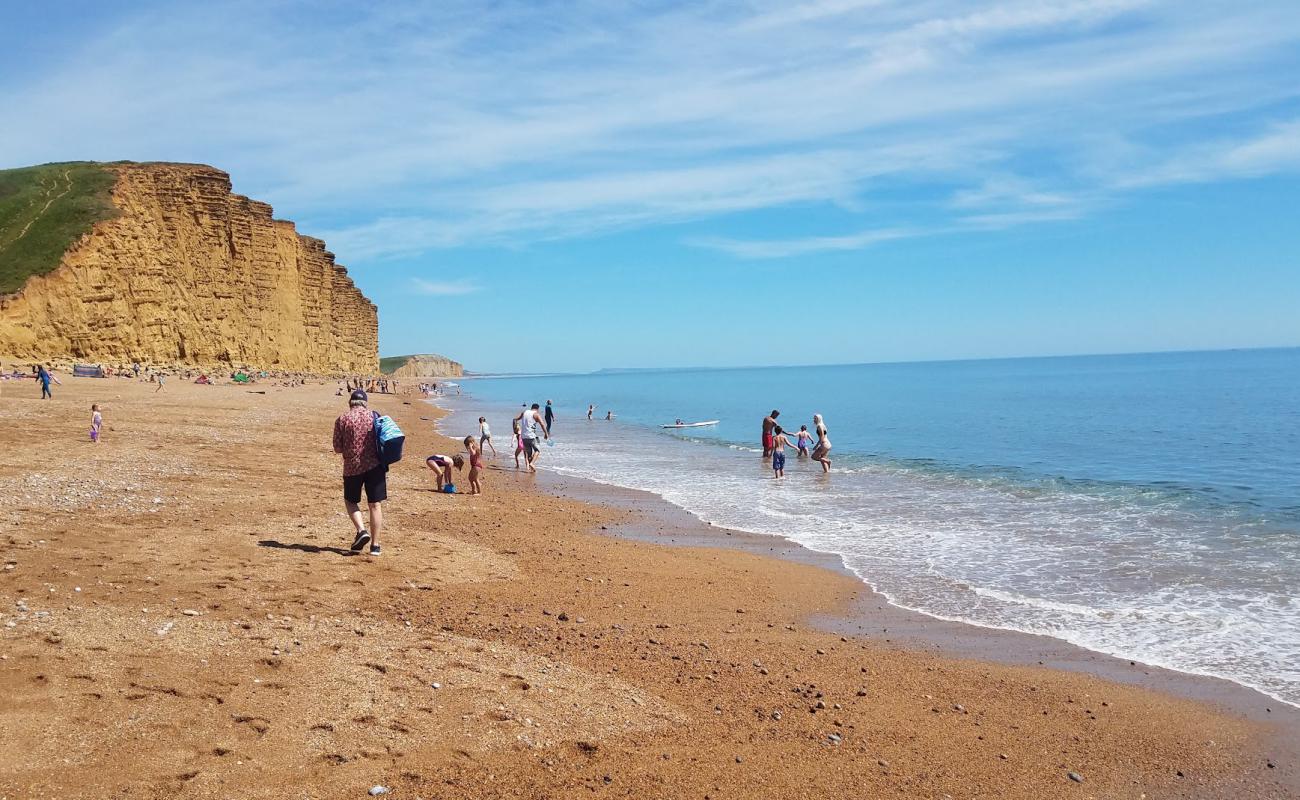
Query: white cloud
(399, 127)
(1274, 150)
(442, 288)
(742, 248)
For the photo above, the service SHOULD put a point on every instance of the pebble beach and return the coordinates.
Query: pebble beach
(179, 617)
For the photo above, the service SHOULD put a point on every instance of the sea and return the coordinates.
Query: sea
(1144, 506)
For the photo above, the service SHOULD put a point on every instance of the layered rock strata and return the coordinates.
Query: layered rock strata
(190, 273)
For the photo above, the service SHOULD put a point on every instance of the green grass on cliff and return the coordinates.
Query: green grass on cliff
(389, 364)
(43, 211)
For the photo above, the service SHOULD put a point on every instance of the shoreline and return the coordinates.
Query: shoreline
(180, 618)
(872, 615)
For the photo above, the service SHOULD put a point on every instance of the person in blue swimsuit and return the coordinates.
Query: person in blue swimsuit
(45, 377)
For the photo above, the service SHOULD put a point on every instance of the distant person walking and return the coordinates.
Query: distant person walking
(822, 450)
(160, 378)
(769, 424)
(96, 422)
(485, 436)
(529, 419)
(550, 416)
(44, 376)
(354, 439)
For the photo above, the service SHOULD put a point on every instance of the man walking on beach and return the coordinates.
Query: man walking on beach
(550, 416)
(528, 420)
(769, 424)
(354, 439)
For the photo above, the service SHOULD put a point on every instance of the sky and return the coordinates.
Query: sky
(577, 185)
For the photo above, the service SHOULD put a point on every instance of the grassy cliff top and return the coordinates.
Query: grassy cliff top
(388, 364)
(44, 210)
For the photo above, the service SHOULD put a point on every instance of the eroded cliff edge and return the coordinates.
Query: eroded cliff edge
(190, 273)
(423, 365)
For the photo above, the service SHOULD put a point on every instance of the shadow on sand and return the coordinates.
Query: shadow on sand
(305, 548)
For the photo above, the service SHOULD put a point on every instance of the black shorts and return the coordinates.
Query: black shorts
(531, 448)
(375, 481)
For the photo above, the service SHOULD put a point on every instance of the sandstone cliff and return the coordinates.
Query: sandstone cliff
(427, 365)
(189, 273)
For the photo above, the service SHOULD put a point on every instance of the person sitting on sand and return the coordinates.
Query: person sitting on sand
(779, 443)
(441, 466)
(485, 435)
(96, 422)
(823, 447)
(475, 465)
(354, 439)
(804, 438)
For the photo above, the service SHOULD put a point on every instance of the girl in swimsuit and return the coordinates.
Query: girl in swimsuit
(475, 465)
(441, 466)
(804, 439)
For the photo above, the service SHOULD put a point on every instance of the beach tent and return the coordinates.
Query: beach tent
(241, 378)
(87, 371)
(202, 379)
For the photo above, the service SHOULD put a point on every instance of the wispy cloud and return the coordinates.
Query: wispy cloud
(401, 127)
(442, 288)
(803, 246)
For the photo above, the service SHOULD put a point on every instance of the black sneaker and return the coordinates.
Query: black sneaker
(363, 538)
(374, 550)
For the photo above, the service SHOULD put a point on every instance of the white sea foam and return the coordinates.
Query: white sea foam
(1110, 571)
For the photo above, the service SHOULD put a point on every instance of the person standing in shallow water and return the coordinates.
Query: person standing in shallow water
(769, 423)
(354, 439)
(550, 415)
(529, 419)
(822, 450)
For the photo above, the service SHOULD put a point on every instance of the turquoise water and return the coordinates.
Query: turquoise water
(1146, 506)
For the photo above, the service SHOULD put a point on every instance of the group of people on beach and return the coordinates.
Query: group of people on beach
(776, 440)
(356, 440)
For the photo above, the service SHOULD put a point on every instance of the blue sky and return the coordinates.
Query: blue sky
(576, 185)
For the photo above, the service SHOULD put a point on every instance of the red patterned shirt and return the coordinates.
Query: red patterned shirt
(354, 437)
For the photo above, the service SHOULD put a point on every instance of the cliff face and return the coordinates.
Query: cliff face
(190, 273)
(428, 366)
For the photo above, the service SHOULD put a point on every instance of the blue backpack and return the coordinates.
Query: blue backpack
(388, 439)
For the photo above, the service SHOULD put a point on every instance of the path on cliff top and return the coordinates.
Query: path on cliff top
(67, 179)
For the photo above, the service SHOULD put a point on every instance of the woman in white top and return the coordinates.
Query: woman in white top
(822, 450)
(485, 436)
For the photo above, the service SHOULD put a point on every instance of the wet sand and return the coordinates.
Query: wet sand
(181, 619)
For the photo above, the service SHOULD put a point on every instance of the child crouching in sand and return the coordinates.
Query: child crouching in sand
(441, 466)
(96, 422)
(475, 465)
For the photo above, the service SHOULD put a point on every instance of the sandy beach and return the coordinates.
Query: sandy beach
(181, 619)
